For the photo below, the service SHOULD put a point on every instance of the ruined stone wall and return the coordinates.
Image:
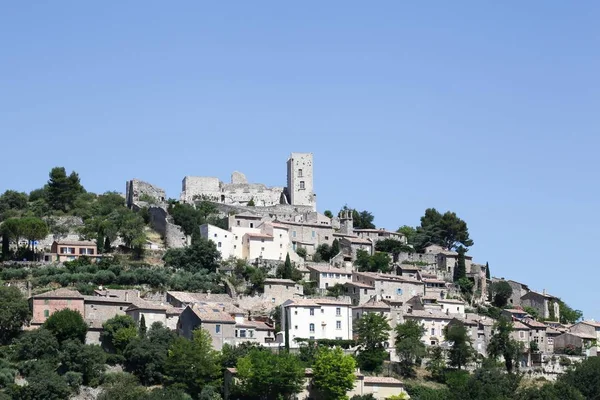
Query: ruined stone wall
(238, 192)
(172, 234)
(136, 191)
(280, 211)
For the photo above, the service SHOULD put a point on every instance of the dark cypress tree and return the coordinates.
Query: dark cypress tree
(143, 326)
(487, 271)
(287, 268)
(460, 270)
(335, 248)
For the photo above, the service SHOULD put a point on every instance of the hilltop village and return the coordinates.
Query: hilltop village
(252, 266)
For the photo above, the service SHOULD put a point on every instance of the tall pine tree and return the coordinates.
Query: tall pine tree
(487, 271)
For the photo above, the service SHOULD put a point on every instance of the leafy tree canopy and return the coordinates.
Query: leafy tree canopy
(14, 313)
(446, 230)
(333, 373)
(67, 324)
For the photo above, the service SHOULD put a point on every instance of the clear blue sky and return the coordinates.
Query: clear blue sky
(489, 109)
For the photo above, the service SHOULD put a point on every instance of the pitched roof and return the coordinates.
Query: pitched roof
(359, 284)
(595, 324)
(316, 302)
(141, 304)
(389, 277)
(62, 293)
(76, 243)
(409, 267)
(520, 326)
(450, 301)
(428, 314)
(117, 294)
(373, 303)
(277, 280)
(259, 235)
(209, 315)
(533, 323)
(385, 380)
(190, 297)
(326, 268)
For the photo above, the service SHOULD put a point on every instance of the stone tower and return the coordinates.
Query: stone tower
(300, 188)
(346, 222)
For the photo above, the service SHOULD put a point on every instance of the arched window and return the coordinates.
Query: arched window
(312, 327)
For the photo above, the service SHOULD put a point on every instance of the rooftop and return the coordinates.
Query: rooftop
(326, 268)
(210, 315)
(282, 281)
(428, 314)
(62, 293)
(190, 297)
(76, 243)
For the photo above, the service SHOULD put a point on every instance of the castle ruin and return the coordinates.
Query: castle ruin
(298, 192)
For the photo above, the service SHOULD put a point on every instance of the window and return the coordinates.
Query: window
(215, 235)
(46, 301)
(337, 276)
(399, 292)
(326, 237)
(46, 313)
(313, 234)
(251, 224)
(281, 245)
(235, 246)
(312, 338)
(273, 300)
(338, 338)
(295, 312)
(324, 275)
(311, 327)
(338, 324)
(322, 311)
(365, 291)
(301, 185)
(338, 312)
(219, 244)
(521, 335)
(432, 331)
(300, 173)
(262, 249)
(242, 333)
(217, 328)
(312, 311)
(238, 222)
(293, 233)
(331, 275)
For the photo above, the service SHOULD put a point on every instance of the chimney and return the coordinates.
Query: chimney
(208, 294)
(126, 296)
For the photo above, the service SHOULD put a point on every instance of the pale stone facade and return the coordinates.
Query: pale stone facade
(300, 190)
(434, 323)
(316, 319)
(389, 286)
(327, 276)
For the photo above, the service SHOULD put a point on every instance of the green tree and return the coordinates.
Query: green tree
(567, 314)
(393, 246)
(264, 375)
(501, 344)
(333, 373)
(336, 290)
(202, 255)
(460, 271)
(461, 351)
(117, 332)
(88, 360)
(14, 313)
(436, 365)
(33, 229)
(409, 232)
(142, 328)
(63, 190)
(288, 270)
(146, 356)
(121, 386)
(43, 385)
(409, 347)
(585, 377)
(335, 248)
(549, 391)
(502, 292)
(328, 214)
(373, 332)
(446, 230)
(193, 364)
(39, 344)
(67, 324)
(487, 271)
(360, 220)
(485, 383)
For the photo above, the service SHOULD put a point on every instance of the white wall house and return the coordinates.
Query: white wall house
(316, 319)
(328, 276)
(269, 241)
(451, 306)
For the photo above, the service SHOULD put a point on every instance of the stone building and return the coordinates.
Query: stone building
(69, 250)
(280, 290)
(590, 328)
(546, 305)
(299, 190)
(359, 292)
(518, 290)
(434, 323)
(389, 286)
(45, 304)
(479, 329)
(376, 235)
(327, 276)
(218, 323)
